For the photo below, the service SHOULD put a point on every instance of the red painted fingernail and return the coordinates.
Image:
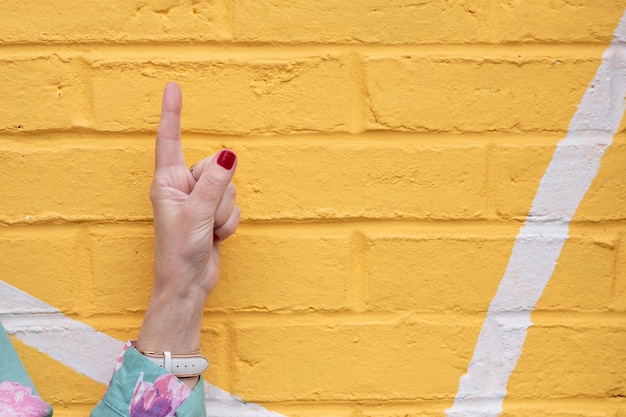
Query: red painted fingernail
(226, 159)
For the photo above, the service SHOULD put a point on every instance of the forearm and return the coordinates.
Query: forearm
(192, 210)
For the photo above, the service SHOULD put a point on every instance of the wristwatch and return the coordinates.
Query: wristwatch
(181, 365)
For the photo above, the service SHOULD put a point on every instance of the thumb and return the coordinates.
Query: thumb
(212, 183)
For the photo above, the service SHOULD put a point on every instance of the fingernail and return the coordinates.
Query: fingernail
(226, 159)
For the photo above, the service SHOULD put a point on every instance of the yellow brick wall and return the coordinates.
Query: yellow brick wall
(389, 153)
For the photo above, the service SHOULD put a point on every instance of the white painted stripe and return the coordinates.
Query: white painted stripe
(68, 341)
(89, 352)
(574, 165)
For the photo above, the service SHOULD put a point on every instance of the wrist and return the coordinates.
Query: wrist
(184, 277)
(172, 323)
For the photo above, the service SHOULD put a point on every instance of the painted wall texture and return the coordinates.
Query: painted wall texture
(419, 182)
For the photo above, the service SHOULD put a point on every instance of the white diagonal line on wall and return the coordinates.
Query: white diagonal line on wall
(538, 245)
(45, 328)
(88, 351)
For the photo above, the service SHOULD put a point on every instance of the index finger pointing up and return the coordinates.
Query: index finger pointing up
(168, 147)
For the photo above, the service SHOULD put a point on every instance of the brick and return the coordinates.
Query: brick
(122, 259)
(619, 291)
(403, 22)
(113, 21)
(476, 95)
(572, 408)
(568, 360)
(227, 96)
(335, 361)
(308, 410)
(344, 180)
(76, 182)
(41, 93)
(289, 280)
(556, 21)
(605, 200)
(517, 171)
(349, 22)
(584, 275)
(41, 261)
(436, 273)
(387, 408)
(215, 345)
(411, 409)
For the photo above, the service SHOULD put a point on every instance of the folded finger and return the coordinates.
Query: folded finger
(211, 186)
(198, 167)
(225, 206)
(229, 226)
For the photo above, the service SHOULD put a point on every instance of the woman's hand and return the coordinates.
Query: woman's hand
(193, 211)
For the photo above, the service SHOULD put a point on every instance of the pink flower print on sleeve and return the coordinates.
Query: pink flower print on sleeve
(120, 358)
(160, 399)
(18, 401)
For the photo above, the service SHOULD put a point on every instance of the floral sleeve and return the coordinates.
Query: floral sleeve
(139, 388)
(18, 396)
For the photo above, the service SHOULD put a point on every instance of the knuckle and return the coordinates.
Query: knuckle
(214, 181)
(153, 194)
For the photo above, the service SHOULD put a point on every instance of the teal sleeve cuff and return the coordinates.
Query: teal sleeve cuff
(141, 388)
(17, 391)
(195, 405)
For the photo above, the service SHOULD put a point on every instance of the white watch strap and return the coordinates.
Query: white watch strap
(179, 365)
